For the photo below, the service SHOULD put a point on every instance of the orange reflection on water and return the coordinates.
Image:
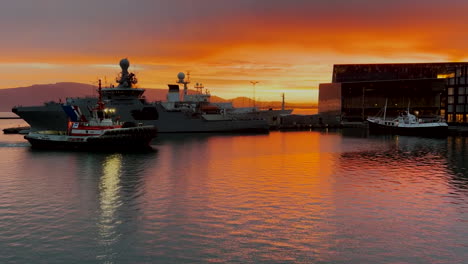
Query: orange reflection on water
(299, 197)
(244, 187)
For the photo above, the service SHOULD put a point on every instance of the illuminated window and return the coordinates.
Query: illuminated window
(450, 91)
(450, 118)
(442, 112)
(450, 108)
(460, 108)
(460, 118)
(461, 99)
(461, 90)
(445, 75)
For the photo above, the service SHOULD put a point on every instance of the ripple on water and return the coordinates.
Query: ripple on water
(303, 197)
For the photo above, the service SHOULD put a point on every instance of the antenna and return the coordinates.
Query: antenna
(253, 84)
(100, 103)
(282, 102)
(93, 87)
(199, 88)
(385, 109)
(182, 80)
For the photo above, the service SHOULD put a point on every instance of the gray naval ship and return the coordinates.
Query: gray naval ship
(194, 113)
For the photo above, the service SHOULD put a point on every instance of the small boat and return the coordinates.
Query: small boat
(99, 133)
(407, 124)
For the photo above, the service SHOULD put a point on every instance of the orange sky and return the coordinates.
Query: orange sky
(289, 46)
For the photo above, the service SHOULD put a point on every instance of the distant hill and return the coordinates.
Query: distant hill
(38, 94)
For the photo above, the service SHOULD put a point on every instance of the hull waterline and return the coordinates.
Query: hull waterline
(428, 131)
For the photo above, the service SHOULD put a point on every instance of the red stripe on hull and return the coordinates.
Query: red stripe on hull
(97, 128)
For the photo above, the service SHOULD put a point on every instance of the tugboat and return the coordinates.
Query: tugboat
(407, 124)
(99, 133)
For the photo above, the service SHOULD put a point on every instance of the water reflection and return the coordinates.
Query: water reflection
(110, 200)
(295, 197)
(92, 199)
(457, 156)
(240, 199)
(413, 180)
(446, 156)
(120, 184)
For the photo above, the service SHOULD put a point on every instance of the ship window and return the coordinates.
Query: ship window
(450, 91)
(461, 99)
(460, 118)
(460, 108)
(450, 108)
(450, 100)
(461, 90)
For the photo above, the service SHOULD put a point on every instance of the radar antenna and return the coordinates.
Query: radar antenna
(182, 80)
(125, 78)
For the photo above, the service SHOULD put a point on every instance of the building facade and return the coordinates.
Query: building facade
(428, 89)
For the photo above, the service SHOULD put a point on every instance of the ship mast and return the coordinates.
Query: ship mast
(182, 80)
(254, 83)
(282, 102)
(385, 109)
(100, 103)
(199, 88)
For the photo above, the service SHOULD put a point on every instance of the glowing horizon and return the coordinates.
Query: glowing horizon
(288, 47)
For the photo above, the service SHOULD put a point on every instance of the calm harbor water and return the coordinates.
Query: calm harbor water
(285, 197)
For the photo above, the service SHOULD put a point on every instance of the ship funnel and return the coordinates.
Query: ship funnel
(173, 94)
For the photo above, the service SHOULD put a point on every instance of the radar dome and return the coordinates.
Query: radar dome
(124, 64)
(181, 75)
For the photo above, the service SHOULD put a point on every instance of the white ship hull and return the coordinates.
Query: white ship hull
(431, 129)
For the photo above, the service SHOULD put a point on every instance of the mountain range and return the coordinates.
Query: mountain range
(40, 93)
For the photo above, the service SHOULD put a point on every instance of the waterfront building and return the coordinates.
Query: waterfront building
(429, 89)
